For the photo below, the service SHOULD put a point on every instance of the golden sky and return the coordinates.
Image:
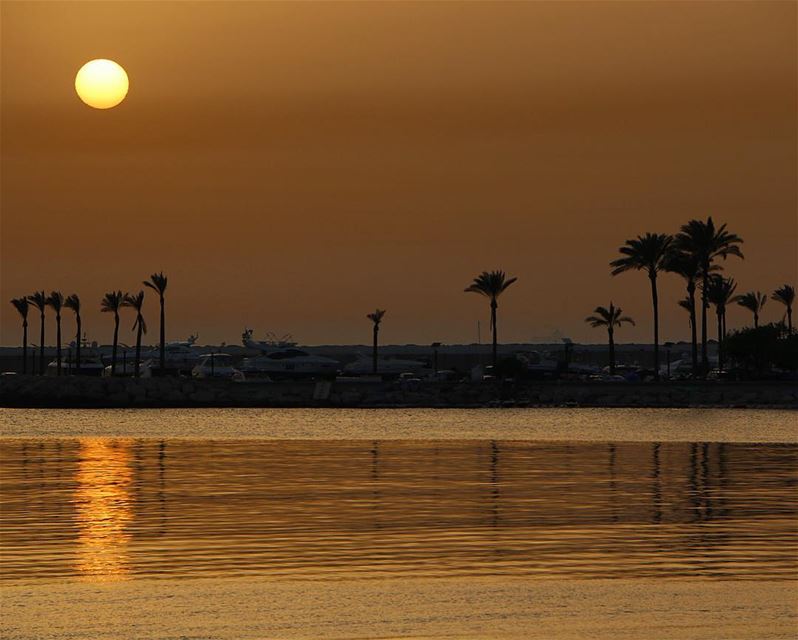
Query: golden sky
(292, 166)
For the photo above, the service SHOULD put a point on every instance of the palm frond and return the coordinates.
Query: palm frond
(157, 282)
(784, 294)
(73, 302)
(22, 306)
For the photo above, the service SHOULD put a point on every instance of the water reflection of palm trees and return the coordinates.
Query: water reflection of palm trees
(103, 508)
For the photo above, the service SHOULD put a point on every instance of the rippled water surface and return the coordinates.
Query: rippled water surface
(114, 508)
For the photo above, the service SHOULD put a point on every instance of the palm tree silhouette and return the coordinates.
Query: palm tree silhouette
(73, 302)
(609, 318)
(111, 303)
(649, 253)
(56, 301)
(22, 307)
(136, 302)
(376, 318)
(491, 284)
(157, 283)
(707, 243)
(753, 301)
(686, 265)
(721, 294)
(786, 295)
(39, 300)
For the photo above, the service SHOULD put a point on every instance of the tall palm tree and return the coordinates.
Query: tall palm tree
(721, 294)
(56, 301)
(376, 317)
(39, 300)
(609, 318)
(157, 283)
(22, 307)
(73, 302)
(491, 284)
(649, 253)
(753, 301)
(686, 265)
(707, 243)
(786, 295)
(136, 302)
(111, 303)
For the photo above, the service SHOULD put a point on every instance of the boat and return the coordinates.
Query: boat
(90, 364)
(281, 359)
(216, 365)
(180, 356)
(364, 365)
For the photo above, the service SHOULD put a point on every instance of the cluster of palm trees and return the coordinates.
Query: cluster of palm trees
(112, 302)
(694, 254)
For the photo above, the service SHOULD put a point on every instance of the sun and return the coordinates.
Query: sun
(101, 83)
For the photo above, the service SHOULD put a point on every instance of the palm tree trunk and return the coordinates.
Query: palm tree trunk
(655, 304)
(704, 353)
(374, 349)
(138, 349)
(58, 343)
(756, 320)
(116, 340)
(41, 347)
(24, 346)
(77, 346)
(693, 327)
(612, 352)
(789, 320)
(493, 306)
(163, 338)
(720, 338)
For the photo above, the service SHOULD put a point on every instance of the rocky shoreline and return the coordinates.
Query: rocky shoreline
(75, 392)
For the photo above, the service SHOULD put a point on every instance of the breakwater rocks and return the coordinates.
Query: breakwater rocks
(33, 391)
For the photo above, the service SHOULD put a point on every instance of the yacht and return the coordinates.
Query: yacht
(364, 365)
(280, 359)
(90, 364)
(216, 365)
(179, 356)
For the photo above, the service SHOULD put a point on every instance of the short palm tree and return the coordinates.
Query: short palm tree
(39, 300)
(136, 302)
(22, 306)
(111, 303)
(73, 302)
(491, 284)
(786, 295)
(721, 294)
(707, 243)
(753, 301)
(56, 301)
(649, 253)
(376, 318)
(157, 283)
(609, 318)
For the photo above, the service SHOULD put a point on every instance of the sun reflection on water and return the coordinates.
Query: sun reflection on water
(103, 509)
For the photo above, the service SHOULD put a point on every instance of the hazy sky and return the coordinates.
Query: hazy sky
(291, 166)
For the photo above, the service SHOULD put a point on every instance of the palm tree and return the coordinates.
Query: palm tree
(707, 243)
(753, 301)
(22, 306)
(687, 266)
(157, 282)
(721, 293)
(786, 295)
(491, 284)
(609, 318)
(111, 303)
(56, 301)
(73, 302)
(39, 300)
(376, 318)
(136, 302)
(649, 253)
